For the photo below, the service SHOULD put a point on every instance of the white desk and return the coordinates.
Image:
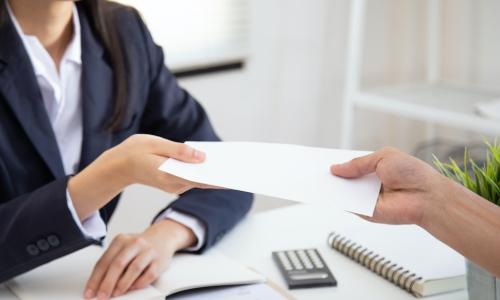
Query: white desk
(5, 294)
(303, 226)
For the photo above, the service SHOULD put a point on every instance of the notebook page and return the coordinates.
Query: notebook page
(246, 292)
(408, 245)
(65, 279)
(189, 271)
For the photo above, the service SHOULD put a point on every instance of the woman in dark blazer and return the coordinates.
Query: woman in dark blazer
(87, 107)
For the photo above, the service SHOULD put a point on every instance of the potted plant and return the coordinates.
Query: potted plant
(483, 179)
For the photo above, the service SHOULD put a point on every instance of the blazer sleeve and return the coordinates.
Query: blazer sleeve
(171, 112)
(36, 228)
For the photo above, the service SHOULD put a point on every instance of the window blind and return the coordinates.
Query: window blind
(197, 33)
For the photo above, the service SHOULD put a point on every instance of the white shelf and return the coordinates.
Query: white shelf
(443, 104)
(435, 104)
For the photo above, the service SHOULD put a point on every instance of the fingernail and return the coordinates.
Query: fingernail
(198, 155)
(116, 293)
(88, 294)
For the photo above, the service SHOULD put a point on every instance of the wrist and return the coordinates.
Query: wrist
(95, 186)
(116, 168)
(172, 234)
(436, 203)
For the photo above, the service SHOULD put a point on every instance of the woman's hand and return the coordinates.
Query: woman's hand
(133, 261)
(136, 160)
(410, 187)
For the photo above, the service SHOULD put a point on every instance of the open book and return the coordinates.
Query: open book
(65, 278)
(406, 255)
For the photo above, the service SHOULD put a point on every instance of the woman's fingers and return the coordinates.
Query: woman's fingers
(110, 267)
(115, 270)
(177, 185)
(101, 267)
(134, 270)
(147, 277)
(179, 151)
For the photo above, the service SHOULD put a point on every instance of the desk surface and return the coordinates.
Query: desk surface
(307, 226)
(303, 226)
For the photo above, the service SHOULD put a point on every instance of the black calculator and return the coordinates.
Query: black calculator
(304, 268)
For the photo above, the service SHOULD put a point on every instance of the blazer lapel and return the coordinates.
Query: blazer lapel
(97, 95)
(19, 87)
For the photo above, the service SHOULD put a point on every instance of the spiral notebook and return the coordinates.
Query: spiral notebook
(405, 255)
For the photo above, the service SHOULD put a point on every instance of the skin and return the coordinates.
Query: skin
(414, 193)
(49, 21)
(132, 261)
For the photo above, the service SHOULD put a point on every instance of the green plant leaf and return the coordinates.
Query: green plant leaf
(484, 180)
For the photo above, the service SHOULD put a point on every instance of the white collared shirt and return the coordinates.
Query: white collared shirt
(62, 97)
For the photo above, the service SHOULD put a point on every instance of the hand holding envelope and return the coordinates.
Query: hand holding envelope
(290, 172)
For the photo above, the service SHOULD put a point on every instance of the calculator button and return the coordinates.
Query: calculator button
(295, 260)
(315, 258)
(284, 261)
(305, 259)
(309, 276)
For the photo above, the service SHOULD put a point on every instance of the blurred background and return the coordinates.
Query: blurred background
(423, 76)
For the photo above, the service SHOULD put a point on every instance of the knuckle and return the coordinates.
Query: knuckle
(183, 150)
(105, 287)
(139, 241)
(141, 284)
(356, 162)
(119, 264)
(121, 287)
(154, 254)
(150, 142)
(356, 159)
(92, 283)
(136, 268)
(132, 139)
(119, 290)
(98, 268)
(150, 275)
(121, 237)
(388, 150)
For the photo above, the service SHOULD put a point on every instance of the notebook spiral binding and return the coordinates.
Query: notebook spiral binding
(373, 261)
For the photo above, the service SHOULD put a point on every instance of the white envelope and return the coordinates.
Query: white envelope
(290, 172)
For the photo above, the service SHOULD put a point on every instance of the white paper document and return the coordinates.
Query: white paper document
(290, 172)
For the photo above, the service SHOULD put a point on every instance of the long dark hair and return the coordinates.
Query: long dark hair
(102, 20)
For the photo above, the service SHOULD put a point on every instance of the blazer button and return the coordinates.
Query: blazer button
(32, 250)
(53, 240)
(43, 244)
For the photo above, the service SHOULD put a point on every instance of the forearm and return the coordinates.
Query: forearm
(94, 187)
(467, 223)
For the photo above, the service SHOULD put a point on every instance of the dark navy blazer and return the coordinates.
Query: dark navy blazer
(35, 223)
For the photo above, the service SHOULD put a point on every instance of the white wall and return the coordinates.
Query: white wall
(291, 89)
